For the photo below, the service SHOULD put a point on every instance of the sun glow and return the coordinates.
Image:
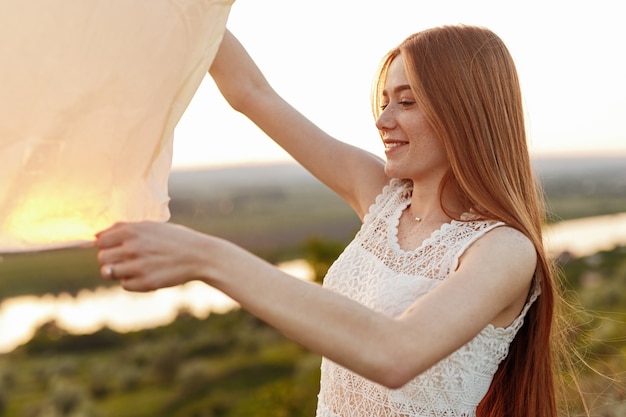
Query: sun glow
(48, 222)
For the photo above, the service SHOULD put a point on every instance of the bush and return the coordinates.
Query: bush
(167, 360)
(193, 377)
(100, 381)
(130, 378)
(3, 400)
(67, 399)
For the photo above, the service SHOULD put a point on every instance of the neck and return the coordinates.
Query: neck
(426, 206)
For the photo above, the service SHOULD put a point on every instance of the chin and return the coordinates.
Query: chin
(393, 172)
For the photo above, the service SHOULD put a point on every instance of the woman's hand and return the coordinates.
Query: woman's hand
(146, 256)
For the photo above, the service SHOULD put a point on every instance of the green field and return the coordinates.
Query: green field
(234, 365)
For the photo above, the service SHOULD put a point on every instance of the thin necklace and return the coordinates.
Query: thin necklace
(416, 218)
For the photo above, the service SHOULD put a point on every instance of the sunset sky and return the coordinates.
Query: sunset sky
(322, 55)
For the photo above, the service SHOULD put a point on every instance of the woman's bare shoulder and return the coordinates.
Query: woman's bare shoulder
(507, 245)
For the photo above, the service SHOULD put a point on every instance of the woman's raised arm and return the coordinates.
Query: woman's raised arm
(353, 173)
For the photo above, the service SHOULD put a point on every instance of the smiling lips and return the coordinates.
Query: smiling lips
(390, 145)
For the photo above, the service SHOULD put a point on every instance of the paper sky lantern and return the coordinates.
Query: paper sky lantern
(90, 94)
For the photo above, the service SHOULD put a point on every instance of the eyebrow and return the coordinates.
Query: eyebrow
(398, 89)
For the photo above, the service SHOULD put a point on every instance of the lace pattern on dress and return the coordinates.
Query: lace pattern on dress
(376, 272)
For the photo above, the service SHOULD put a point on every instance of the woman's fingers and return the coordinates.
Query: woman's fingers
(149, 255)
(116, 271)
(108, 271)
(115, 252)
(113, 236)
(111, 254)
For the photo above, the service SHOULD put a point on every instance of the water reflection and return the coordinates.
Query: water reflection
(115, 308)
(586, 236)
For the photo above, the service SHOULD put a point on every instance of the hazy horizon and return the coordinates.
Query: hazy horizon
(289, 161)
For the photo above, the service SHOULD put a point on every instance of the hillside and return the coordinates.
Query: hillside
(233, 365)
(575, 187)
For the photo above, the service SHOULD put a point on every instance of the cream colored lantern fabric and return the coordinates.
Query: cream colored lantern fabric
(90, 94)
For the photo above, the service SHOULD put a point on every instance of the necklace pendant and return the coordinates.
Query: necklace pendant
(418, 219)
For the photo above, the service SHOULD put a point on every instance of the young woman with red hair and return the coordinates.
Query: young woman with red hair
(442, 305)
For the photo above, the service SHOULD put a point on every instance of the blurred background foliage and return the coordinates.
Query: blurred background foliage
(232, 364)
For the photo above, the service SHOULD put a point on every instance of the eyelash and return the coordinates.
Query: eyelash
(403, 103)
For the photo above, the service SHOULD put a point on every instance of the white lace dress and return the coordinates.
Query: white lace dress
(376, 272)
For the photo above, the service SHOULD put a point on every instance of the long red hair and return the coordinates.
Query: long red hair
(465, 80)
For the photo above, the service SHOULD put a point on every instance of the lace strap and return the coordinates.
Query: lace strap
(486, 227)
(535, 291)
(395, 189)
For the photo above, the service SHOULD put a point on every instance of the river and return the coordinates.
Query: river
(125, 311)
(120, 310)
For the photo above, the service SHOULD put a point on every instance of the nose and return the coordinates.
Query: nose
(385, 120)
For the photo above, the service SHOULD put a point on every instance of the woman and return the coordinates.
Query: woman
(442, 305)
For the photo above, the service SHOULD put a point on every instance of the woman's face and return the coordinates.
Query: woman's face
(413, 150)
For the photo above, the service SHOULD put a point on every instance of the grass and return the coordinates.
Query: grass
(169, 377)
(232, 365)
(55, 271)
